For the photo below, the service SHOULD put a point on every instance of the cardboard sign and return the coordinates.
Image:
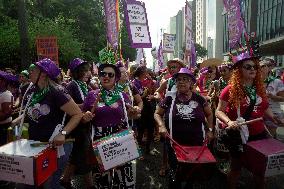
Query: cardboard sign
(21, 163)
(275, 164)
(116, 150)
(137, 24)
(47, 48)
(264, 157)
(188, 37)
(169, 43)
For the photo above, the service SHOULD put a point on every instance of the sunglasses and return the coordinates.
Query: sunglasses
(104, 74)
(249, 67)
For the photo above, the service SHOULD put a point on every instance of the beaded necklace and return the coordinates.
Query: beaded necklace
(38, 96)
(251, 92)
(83, 86)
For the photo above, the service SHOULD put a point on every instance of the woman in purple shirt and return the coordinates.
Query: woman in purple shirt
(109, 117)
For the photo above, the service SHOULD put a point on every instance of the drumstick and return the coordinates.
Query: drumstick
(38, 144)
(248, 122)
(171, 139)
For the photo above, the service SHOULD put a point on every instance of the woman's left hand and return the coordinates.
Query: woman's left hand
(87, 117)
(58, 140)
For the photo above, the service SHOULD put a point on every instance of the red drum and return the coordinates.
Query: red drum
(264, 157)
(197, 164)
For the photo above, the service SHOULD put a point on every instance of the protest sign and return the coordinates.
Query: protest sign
(137, 24)
(169, 43)
(275, 164)
(116, 150)
(47, 48)
(21, 163)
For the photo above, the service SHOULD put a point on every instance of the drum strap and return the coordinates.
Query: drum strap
(171, 113)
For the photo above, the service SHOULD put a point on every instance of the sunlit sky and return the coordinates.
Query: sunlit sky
(159, 13)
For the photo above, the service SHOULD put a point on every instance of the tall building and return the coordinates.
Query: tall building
(210, 47)
(265, 17)
(201, 33)
(218, 53)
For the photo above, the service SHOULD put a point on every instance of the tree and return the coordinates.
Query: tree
(201, 52)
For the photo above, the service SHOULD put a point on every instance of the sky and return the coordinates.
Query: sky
(158, 14)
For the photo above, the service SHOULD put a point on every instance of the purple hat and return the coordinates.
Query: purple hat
(75, 63)
(187, 72)
(241, 57)
(9, 77)
(49, 67)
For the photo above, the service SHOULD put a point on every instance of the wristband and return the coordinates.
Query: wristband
(210, 129)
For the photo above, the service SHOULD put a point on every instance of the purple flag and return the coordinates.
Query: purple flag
(160, 56)
(111, 22)
(235, 22)
(193, 55)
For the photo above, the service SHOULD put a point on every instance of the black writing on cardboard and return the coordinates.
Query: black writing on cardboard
(7, 165)
(276, 162)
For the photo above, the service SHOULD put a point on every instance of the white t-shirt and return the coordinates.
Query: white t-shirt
(273, 88)
(6, 96)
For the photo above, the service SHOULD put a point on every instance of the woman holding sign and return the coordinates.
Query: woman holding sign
(108, 105)
(242, 100)
(45, 109)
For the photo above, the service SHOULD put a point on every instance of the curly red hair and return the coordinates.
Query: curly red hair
(237, 91)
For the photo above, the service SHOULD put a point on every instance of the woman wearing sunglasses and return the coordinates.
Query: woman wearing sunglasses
(183, 115)
(109, 117)
(245, 95)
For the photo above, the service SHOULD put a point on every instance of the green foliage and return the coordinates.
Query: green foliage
(201, 52)
(78, 25)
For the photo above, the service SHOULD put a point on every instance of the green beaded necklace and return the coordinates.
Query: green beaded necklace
(110, 97)
(83, 86)
(251, 92)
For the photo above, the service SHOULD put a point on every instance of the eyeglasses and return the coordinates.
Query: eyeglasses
(104, 74)
(249, 67)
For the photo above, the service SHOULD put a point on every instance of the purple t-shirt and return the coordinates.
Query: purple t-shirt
(74, 92)
(188, 119)
(138, 85)
(106, 116)
(45, 115)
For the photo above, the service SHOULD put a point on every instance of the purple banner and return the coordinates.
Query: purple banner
(193, 55)
(111, 22)
(235, 22)
(160, 56)
(137, 24)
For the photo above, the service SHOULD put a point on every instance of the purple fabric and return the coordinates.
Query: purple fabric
(111, 22)
(187, 72)
(75, 63)
(241, 57)
(44, 116)
(188, 118)
(49, 67)
(236, 24)
(102, 112)
(138, 84)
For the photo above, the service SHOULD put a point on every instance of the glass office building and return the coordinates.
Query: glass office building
(266, 18)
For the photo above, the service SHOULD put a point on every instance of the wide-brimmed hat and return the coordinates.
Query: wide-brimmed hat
(116, 70)
(242, 57)
(76, 63)
(177, 60)
(187, 72)
(49, 67)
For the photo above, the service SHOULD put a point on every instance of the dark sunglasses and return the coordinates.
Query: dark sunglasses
(104, 74)
(249, 67)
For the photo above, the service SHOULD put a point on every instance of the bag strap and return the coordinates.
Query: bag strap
(171, 114)
(24, 96)
(124, 109)
(131, 98)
